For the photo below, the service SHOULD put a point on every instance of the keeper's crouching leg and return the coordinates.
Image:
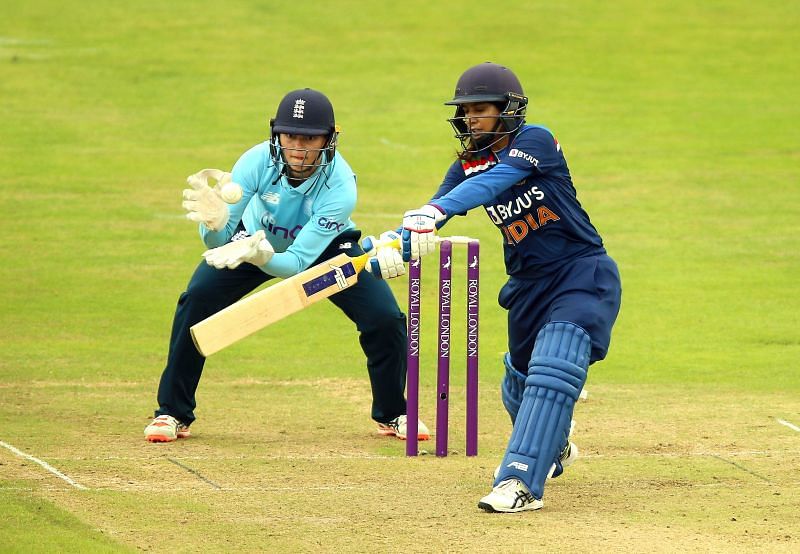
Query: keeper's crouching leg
(556, 375)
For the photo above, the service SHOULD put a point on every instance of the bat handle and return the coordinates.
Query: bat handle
(393, 243)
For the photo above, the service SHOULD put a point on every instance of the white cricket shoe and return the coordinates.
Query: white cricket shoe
(510, 496)
(398, 427)
(166, 428)
(566, 458)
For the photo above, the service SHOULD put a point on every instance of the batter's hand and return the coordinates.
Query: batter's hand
(419, 231)
(387, 263)
(203, 203)
(370, 244)
(255, 250)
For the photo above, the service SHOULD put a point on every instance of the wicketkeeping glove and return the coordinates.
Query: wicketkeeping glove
(419, 231)
(255, 250)
(203, 203)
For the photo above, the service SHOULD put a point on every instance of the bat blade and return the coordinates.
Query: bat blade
(276, 302)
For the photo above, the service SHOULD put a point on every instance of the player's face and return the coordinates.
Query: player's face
(302, 153)
(482, 118)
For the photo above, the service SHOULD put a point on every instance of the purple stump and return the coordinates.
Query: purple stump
(473, 279)
(443, 373)
(412, 361)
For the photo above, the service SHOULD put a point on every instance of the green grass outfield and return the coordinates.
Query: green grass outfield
(680, 124)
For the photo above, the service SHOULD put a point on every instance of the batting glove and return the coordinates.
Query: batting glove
(370, 244)
(419, 231)
(387, 263)
(255, 250)
(203, 203)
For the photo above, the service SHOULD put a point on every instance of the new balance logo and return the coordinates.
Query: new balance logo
(271, 197)
(518, 465)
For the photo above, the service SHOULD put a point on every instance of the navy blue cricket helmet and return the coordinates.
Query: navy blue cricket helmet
(304, 112)
(489, 82)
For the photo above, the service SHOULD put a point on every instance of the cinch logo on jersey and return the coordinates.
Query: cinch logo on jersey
(476, 166)
(516, 153)
(278, 231)
(326, 223)
(299, 108)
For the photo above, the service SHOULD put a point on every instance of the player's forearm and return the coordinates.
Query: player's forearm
(283, 264)
(480, 190)
(213, 239)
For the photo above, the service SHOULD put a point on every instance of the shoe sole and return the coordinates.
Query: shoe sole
(402, 438)
(419, 437)
(159, 438)
(390, 433)
(164, 438)
(536, 505)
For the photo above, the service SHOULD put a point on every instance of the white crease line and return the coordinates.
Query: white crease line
(401, 458)
(791, 426)
(266, 457)
(44, 464)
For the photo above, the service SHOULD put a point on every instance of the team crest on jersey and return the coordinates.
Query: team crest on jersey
(476, 166)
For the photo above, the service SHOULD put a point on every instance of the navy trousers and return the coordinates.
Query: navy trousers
(369, 304)
(586, 292)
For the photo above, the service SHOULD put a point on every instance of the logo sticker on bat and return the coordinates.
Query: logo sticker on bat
(337, 277)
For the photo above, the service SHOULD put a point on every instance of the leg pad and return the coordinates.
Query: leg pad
(556, 375)
(512, 388)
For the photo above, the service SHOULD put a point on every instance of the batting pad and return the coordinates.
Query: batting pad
(556, 375)
(512, 388)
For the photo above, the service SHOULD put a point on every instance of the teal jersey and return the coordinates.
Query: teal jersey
(300, 222)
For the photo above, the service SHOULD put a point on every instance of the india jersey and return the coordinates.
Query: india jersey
(527, 191)
(300, 222)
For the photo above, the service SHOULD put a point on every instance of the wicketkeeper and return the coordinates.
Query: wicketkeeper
(298, 196)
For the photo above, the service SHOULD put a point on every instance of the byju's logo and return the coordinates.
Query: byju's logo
(299, 108)
(516, 153)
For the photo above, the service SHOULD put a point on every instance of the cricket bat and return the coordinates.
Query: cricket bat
(265, 307)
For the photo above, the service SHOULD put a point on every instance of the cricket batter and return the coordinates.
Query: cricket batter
(563, 291)
(298, 194)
